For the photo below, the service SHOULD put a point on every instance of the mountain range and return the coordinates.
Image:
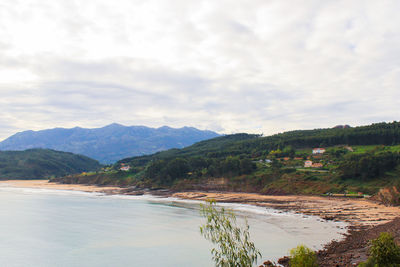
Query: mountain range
(110, 143)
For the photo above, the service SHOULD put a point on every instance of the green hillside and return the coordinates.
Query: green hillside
(43, 163)
(256, 145)
(359, 159)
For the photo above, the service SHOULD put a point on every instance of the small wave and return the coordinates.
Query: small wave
(63, 192)
(242, 209)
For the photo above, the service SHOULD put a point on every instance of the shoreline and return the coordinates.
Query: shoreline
(358, 213)
(45, 184)
(365, 217)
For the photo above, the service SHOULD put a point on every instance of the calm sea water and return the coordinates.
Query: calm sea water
(64, 228)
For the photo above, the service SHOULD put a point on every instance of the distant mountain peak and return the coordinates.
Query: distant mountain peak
(164, 127)
(114, 125)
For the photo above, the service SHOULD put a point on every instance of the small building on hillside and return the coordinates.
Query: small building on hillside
(308, 164)
(317, 165)
(125, 168)
(318, 150)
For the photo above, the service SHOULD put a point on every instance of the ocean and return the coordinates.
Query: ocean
(42, 227)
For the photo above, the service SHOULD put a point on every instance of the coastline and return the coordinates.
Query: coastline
(365, 217)
(359, 213)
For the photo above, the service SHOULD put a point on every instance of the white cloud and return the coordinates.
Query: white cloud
(230, 66)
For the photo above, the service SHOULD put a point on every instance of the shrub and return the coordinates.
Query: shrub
(384, 252)
(302, 256)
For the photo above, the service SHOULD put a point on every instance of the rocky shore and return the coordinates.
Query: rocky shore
(354, 248)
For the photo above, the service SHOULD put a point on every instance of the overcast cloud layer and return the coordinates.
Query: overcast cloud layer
(229, 66)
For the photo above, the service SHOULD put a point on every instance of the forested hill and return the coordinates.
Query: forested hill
(255, 145)
(110, 143)
(219, 146)
(43, 163)
(359, 159)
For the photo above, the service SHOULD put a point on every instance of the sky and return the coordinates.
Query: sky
(256, 66)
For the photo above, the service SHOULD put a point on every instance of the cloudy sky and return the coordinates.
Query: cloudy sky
(230, 66)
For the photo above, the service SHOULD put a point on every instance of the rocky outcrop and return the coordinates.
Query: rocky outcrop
(389, 196)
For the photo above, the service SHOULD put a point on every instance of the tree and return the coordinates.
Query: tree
(234, 248)
(246, 166)
(177, 168)
(231, 166)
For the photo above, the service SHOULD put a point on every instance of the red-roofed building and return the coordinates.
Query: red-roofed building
(308, 164)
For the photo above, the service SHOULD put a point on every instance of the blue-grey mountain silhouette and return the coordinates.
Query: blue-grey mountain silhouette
(110, 143)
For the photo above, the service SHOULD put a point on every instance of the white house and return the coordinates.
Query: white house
(125, 168)
(318, 150)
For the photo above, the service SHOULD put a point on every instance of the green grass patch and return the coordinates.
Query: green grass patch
(375, 148)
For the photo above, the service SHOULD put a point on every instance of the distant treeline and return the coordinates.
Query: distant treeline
(256, 145)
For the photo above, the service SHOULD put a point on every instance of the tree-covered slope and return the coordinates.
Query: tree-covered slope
(220, 146)
(110, 143)
(252, 146)
(359, 159)
(43, 163)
